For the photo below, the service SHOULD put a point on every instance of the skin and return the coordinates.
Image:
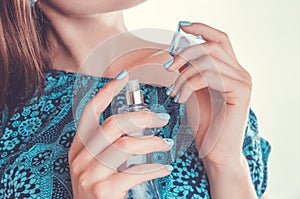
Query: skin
(78, 23)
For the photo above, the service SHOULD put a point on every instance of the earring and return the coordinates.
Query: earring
(32, 2)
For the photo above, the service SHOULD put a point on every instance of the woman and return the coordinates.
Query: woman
(42, 153)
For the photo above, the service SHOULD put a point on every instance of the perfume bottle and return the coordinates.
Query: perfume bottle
(182, 40)
(135, 102)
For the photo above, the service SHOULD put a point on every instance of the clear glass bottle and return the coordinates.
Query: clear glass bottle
(181, 40)
(135, 102)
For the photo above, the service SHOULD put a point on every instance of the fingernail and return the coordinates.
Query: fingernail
(169, 167)
(164, 116)
(169, 141)
(177, 97)
(187, 64)
(32, 2)
(170, 89)
(171, 52)
(169, 63)
(121, 75)
(185, 23)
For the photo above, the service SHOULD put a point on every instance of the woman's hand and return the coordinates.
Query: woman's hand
(222, 84)
(214, 66)
(97, 151)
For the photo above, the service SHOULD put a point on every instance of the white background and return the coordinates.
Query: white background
(265, 35)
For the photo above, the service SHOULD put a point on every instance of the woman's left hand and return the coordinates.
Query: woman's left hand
(214, 66)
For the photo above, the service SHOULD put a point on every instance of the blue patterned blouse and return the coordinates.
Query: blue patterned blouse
(35, 139)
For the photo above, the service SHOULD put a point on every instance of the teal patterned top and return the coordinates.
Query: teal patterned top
(35, 139)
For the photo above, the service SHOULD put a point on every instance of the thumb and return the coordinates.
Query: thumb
(93, 109)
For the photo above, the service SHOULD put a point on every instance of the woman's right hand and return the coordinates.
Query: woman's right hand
(97, 151)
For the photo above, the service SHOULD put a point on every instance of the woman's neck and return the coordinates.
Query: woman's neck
(74, 38)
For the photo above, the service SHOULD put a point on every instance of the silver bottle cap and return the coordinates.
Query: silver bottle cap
(134, 94)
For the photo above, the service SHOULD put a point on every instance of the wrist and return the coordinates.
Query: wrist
(226, 163)
(233, 171)
(237, 166)
(232, 179)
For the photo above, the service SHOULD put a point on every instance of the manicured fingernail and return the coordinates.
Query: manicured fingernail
(171, 52)
(185, 23)
(169, 141)
(187, 64)
(121, 75)
(164, 116)
(169, 167)
(177, 97)
(170, 89)
(169, 63)
(32, 2)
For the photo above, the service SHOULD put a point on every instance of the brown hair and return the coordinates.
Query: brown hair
(23, 51)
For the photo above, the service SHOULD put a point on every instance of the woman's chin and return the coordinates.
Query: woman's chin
(90, 7)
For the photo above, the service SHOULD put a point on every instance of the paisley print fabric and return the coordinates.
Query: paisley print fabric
(35, 139)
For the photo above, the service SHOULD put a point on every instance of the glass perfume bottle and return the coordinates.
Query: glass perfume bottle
(135, 102)
(182, 40)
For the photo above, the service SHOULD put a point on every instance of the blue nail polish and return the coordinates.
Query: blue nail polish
(169, 63)
(187, 64)
(169, 167)
(121, 75)
(178, 27)
(170, 89)
(32, 2)
(169, 141)
(164, 116)
(185, 23)
(177, 97)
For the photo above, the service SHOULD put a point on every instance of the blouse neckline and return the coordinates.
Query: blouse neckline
(106, 79)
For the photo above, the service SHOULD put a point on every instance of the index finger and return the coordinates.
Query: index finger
(90, 118)
(209, 34)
